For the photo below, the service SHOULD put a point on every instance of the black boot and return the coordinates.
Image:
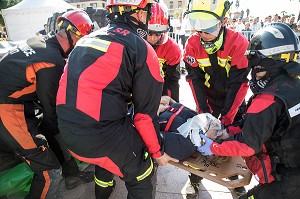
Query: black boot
(238, 190)
(104, 192)
(73, 176)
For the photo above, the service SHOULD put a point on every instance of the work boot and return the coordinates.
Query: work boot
(238, 190)
(73, 176)
(82, 177)
(104, 192)
(194, 184)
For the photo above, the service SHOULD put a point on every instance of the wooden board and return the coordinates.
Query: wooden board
(217, 172)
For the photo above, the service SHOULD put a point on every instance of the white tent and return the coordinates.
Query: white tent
(26, 18)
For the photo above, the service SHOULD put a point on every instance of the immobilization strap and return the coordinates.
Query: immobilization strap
(173, 116)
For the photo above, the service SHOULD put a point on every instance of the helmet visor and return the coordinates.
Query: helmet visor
(205, 22)
(158, 27)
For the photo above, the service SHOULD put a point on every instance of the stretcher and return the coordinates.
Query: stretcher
(217, 171)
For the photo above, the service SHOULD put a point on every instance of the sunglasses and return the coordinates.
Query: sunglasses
(155, 33)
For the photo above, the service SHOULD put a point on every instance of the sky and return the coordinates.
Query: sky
(264, 8)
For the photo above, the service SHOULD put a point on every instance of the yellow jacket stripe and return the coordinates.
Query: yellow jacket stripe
(206, 63)
(98, 44)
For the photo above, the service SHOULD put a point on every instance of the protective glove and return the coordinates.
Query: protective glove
(40, 140)
(205, 149)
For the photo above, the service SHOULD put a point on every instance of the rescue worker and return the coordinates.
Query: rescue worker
(107, 70)
(168, 52)
(269, 138)
(29, 74)
(169, 55)
(216, 65)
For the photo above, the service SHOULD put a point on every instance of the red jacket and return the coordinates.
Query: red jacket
(269, 139)
(221, 86)
(107, 70)
(169, 56)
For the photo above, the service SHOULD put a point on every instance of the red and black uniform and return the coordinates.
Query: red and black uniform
(169, 56)
(269, 140)
(28, 73)
(218, 81)
(105, 71)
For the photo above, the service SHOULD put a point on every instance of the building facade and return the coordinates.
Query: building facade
(176, 7)
(87, 3)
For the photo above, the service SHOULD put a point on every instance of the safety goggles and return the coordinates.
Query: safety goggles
(254, 57)
(258, 69)
(251, 54)
(158, 34)
(69, 27)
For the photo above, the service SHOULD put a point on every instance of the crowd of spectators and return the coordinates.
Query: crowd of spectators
(180, 30)
(248, 26)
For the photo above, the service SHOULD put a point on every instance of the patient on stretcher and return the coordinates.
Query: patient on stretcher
(181, 127)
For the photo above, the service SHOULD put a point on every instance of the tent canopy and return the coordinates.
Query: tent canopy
(26, 18)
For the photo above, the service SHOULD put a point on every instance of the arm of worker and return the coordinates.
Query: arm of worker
(171, 84)
(195, 77)
(237, 90)
(196, 83)
(146, 94)
(237, 82)
(46, 89)
(260, 120)
(171, 69)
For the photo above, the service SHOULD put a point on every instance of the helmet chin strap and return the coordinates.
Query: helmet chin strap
(70, 40)
(210, 46)
(157, 43)
(140, 27)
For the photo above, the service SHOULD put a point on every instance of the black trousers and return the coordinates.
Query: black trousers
(288, 188)
(136, 188)
(19, 142)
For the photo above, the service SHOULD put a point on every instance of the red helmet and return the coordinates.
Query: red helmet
(79, 20)
(134, 3)
(158, 26)
(160, 18)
